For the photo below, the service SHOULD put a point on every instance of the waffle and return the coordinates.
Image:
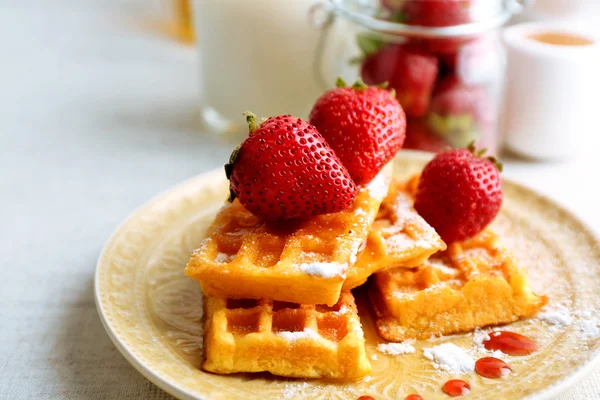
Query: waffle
(472, 284)
(399, 237)
(285, 339)
(302, 262)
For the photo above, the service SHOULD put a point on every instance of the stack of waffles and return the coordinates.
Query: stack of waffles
(278, 297)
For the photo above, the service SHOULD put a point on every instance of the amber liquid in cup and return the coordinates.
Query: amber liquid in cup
(561, 39)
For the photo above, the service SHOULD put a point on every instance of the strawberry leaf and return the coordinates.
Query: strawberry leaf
(369, 44)
(340, 82)
(251, 120)
(398, 16)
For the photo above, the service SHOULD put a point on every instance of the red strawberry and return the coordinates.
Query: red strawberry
(420, 137)
(453, 97)
(441, 47)
(461, 113)
(436, 13)
(410, 72)
(459, 193)
(365, 127)
(286, 170)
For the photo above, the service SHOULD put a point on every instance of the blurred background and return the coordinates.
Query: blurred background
(106, 103)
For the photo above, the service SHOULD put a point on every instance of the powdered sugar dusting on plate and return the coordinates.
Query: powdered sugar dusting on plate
(296, 390)
(450, 358)
(559, 316)
(396, 348)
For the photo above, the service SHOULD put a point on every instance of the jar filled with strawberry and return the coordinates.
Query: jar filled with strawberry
(443, 58)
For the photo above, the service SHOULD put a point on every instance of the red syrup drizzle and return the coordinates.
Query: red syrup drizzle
(366, 398)
(491, 367)
(510, 343)
(413, 397)
(456, 387)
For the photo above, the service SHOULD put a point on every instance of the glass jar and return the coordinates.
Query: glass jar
(259, 56)
(443, 58)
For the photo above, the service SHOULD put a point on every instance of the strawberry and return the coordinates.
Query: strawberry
(453, 97)
(285, 170)
(410, 72)
(365, 127)
(459, 193)
(436, 13)
(441, 47)
(460, 113)
(420, 137)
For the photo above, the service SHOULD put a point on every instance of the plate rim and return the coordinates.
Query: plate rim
(171, 388)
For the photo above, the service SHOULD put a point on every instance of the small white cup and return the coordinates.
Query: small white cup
(552, 89)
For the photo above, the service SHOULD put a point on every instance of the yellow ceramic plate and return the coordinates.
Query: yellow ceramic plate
(153, 313)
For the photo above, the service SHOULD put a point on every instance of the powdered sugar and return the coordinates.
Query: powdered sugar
(374, 357)
(324, 270)
(223, 258)
(590, 328)
(378, 187)
(410, 295)
(480, 336)
(296, 390)
(353, 258)
(559, 316)
(450, 358)
(400, 242)
(201, 246)
(396, 348)
(307, 333)
(442, 267)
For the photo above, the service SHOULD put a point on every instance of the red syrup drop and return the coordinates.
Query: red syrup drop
(456, 387)
(510, 343)
(491, 367)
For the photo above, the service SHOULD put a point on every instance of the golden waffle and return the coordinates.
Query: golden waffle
(399, 237)
(302, 262)
(285, 339)
(474, 283)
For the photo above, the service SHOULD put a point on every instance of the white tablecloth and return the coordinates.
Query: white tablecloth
(96, 117)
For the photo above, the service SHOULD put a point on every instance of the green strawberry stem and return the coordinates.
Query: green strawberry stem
(496, 162)
(359, 85)
(251, 120)
(369, 44)
(480, 153)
